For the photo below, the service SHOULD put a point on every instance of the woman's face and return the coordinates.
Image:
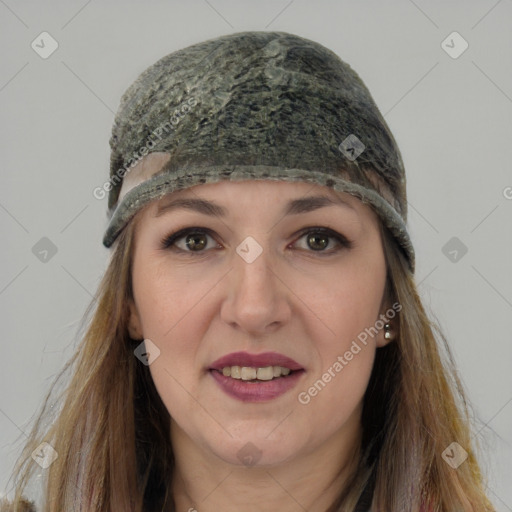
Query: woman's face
(258, 286)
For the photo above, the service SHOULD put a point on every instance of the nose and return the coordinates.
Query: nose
(257, 300)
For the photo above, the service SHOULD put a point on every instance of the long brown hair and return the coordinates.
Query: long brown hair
(112, 431)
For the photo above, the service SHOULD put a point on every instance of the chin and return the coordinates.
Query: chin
(254, 451)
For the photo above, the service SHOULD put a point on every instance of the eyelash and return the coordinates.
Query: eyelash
(168, 241)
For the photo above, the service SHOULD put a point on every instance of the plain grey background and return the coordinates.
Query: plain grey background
(449, 111)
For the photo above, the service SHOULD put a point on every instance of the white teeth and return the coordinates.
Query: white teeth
(248, 373)
(251, 373)
(265, 373)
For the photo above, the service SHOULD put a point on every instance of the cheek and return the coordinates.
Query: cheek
(332, 400)
(346, 350)
(346, 302)
(174, 315)
(168, 293)
(348, 306)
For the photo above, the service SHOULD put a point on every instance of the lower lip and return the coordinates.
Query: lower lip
(262, 391)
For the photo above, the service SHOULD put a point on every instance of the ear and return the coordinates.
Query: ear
(134, 323)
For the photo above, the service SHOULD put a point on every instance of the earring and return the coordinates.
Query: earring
(387, 331)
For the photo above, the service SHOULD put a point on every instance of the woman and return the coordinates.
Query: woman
(258, 341)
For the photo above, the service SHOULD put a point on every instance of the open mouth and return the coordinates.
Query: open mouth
(256, 377)
(253, 374)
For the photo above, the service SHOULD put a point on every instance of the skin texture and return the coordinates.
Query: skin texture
(307, 304)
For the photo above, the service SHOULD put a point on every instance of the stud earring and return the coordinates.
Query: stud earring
(387, 331)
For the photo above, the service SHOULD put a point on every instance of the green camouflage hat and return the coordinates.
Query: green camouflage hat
(253, 105)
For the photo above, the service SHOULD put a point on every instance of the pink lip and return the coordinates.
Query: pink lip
(256, 391)
(255, 361)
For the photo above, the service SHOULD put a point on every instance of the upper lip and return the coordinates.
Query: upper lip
(255, 360)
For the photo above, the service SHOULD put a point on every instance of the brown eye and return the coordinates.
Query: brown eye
(318, 240)
(195, 240)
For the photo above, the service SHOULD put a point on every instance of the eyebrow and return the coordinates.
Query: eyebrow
(293, 207)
